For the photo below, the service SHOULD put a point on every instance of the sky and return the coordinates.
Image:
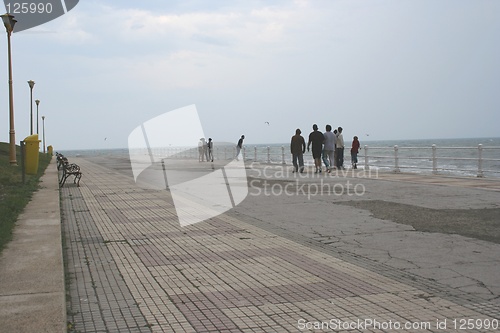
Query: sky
(383, 70)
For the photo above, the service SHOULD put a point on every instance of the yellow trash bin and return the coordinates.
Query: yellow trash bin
(32, 148)
(50, 150)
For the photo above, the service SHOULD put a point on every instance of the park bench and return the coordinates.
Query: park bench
(61, 159)
(68, 169)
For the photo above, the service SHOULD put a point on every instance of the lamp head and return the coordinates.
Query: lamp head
(31, 83)
(37, 101)
(9, 22)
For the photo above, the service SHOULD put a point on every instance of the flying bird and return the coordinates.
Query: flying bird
(266, 122)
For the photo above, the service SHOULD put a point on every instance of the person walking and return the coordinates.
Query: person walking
(335, 133)
(239, 146)
(316, 138)
(210, 153)
(298, 148)
(201, 153)
(354, 152)
(340, 149)
(205, 150)
(328, 148)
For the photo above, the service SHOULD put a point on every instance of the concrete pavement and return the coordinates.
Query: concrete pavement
(32, 297)
(132, 268)
(283, 262)
(385, 221)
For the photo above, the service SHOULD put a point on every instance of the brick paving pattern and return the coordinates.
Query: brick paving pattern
(132, 268)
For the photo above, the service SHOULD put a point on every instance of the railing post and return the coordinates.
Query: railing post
(283, 155)
(480, 161)
(268, 154)
(434, 160)
(255, 153)
(367, 167)
(396, 159)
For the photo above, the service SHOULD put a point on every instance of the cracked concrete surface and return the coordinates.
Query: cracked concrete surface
(346, 222)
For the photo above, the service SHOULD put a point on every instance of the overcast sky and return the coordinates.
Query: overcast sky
(390, 69)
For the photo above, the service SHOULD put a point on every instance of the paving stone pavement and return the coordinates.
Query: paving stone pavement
(132, 268)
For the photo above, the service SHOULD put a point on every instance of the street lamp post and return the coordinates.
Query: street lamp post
(9, 22)
(43, 132)
(31, 83)
(37, 101)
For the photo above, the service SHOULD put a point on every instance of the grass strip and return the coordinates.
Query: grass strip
(14, 195)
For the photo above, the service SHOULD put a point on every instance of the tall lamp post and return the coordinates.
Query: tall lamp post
(43, 132)
(37, 101)
(9, 22)
(31, 83)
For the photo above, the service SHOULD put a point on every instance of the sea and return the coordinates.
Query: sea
(461, 157)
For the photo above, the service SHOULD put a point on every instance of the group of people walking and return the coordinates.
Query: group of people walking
(205, 150)
(327, 147)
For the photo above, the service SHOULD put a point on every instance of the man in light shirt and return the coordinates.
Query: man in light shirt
(329, 147)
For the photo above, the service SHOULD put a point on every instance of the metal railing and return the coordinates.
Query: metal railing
(472, 161)
(260, 154)
(432, 161)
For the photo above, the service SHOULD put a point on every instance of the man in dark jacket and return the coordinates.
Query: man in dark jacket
(239, 145)
(298, 148)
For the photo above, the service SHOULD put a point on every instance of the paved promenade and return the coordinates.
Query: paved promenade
(275, 263)
(32, 297)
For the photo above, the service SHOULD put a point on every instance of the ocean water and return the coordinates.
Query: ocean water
(452, 156)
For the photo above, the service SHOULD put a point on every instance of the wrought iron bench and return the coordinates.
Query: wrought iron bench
(68, 169)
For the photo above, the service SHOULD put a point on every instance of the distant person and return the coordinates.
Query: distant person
(205, 149)
(316, 138)
(340, 149)
(210, 153)
(335, 133)
(239, 146)
(201, 153)
(354, 152)
(298, 148)
(329, 148)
